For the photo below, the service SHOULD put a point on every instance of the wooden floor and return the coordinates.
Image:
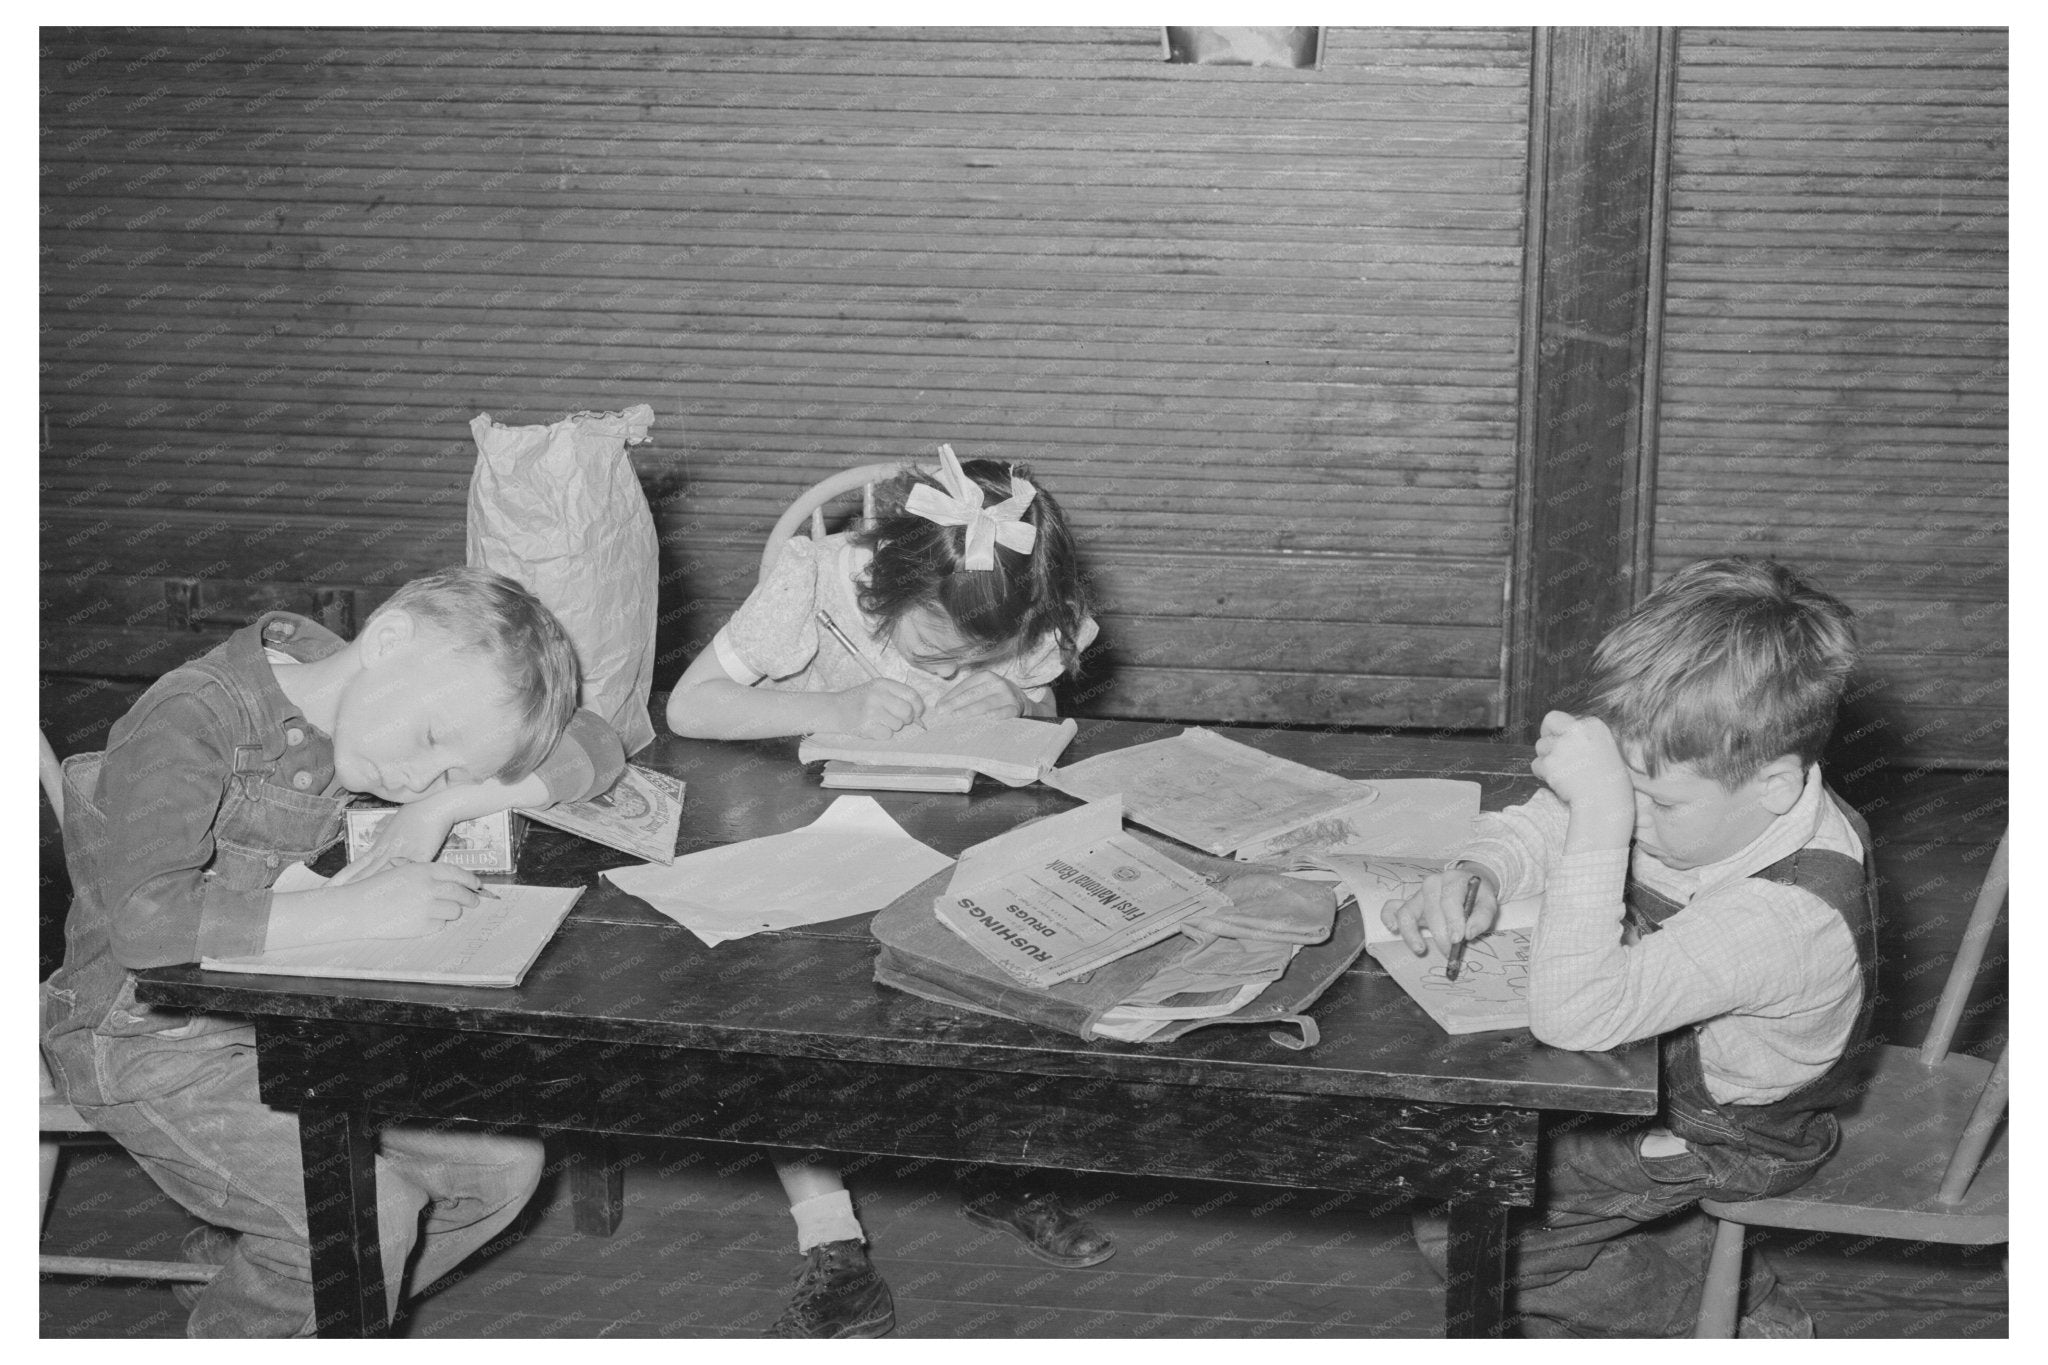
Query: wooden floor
(706, 1247)
(706, 1250)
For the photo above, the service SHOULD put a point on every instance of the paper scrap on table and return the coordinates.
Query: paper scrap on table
(1409, 817)
(852, 859)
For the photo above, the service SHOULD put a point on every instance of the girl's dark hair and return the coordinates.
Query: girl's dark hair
(1024, 598)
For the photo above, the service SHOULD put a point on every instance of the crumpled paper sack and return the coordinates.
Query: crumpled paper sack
(559, 508)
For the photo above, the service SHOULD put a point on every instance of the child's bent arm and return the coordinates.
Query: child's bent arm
(585, 762)
(706, 703)
(161, 784)
(1741, 948)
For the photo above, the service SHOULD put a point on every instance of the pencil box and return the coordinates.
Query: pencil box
(489, 843)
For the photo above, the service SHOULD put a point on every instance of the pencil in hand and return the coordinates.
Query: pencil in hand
(1455, 959)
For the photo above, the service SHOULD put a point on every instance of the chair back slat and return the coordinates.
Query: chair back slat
(811, 504)
(1962, 974)
(53, 776)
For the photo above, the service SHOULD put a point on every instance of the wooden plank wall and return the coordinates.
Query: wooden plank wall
(1256, 328)
(1834, 377)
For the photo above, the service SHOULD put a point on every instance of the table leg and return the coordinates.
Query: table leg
(1478, 1270)
(597, 1182)
(338, 1148)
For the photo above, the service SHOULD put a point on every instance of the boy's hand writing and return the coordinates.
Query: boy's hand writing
(876, 710)
(1438, 906)
(408, 900)
(1577, 758)
(980, 693)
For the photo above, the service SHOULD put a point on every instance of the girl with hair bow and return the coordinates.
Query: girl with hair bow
(964, 598)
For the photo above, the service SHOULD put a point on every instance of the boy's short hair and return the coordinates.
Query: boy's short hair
(486, 613)
(1729, 664)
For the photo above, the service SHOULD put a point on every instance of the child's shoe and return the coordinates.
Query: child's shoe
(1780, 1315)
(839, 1294)
(1048, 1229)
(204, 1245)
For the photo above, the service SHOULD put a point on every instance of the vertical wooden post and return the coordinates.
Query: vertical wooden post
(1476, 1287)
(597, 1181)
(339, 1150)
(1599, 122)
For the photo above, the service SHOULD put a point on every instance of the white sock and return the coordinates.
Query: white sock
(825, 1218)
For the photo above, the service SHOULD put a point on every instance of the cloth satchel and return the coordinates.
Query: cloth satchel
(922, 957)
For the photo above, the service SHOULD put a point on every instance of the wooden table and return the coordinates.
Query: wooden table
(627, 1024)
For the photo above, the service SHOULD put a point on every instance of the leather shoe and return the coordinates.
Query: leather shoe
(838, 1294)
(1048, 1229)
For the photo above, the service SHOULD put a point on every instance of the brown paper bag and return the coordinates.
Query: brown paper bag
(559, 508)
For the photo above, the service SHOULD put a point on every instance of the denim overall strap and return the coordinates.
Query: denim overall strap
(1797, 1128)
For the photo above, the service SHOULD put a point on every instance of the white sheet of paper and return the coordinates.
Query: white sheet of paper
(852, 859)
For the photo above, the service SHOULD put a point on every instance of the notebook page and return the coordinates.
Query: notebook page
(492, 943)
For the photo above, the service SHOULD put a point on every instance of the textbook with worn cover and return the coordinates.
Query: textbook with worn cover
(921, 956)
(1058, 897)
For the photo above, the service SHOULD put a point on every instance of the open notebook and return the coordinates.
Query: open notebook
(1010, 749)
(492, 944)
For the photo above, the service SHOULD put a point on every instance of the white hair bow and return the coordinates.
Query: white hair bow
(960, 505)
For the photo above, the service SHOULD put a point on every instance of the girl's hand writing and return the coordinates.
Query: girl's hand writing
(979, 694)
(876, 710)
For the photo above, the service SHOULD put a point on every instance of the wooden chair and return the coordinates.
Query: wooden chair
(60, 1122)
(1923, 1156)
(812, 502)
